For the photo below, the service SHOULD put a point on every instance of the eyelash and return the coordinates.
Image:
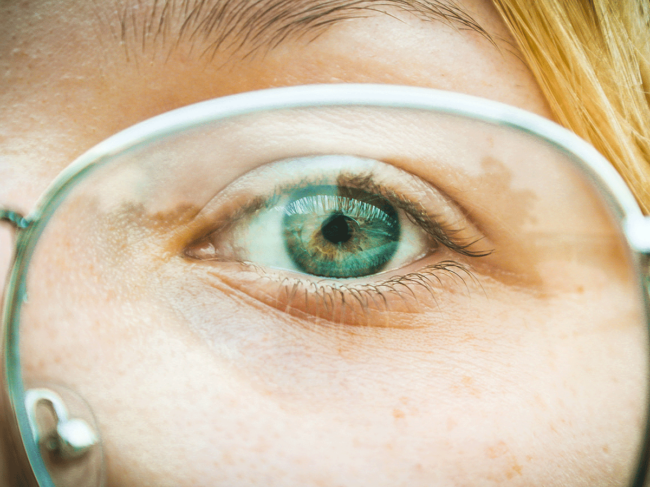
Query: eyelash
(442, 232)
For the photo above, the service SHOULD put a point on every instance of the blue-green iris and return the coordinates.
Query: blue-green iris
(340, 232)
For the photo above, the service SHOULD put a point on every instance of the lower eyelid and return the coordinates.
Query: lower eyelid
(390, 300)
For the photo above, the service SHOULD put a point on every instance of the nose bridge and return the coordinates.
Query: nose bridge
(66, 441)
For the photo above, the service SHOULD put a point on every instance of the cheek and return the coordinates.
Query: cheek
(198, 385)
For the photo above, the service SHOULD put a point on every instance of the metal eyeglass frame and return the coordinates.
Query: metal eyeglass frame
(634, 225)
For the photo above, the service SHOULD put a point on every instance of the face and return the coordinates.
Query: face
(201, 371)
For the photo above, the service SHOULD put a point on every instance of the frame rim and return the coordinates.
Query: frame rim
(598, 170)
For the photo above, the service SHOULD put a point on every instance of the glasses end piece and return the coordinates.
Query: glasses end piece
(637, 231)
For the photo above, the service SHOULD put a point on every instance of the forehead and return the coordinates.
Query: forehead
(77, 72)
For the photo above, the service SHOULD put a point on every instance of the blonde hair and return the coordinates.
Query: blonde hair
(592, 61)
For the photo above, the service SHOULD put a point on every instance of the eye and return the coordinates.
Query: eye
(322, 230)
(336, 224)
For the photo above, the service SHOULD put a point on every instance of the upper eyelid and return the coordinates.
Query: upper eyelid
(259, 202)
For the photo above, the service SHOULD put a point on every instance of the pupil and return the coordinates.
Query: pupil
(336, 229)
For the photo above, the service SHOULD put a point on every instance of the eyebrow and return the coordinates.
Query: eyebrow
(250, 25)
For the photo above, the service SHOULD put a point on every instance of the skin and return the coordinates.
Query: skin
(279, 398)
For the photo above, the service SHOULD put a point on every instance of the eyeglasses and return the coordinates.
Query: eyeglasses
(285, 245)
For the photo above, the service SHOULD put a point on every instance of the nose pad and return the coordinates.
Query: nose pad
(67, 435)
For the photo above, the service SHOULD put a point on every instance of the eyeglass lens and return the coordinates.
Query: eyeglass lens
(307, 278)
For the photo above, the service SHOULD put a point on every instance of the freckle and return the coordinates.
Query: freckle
(467, 380)
(398, 414)
(497, 450)
(404, 400)
(580, 290)
(605, 449)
